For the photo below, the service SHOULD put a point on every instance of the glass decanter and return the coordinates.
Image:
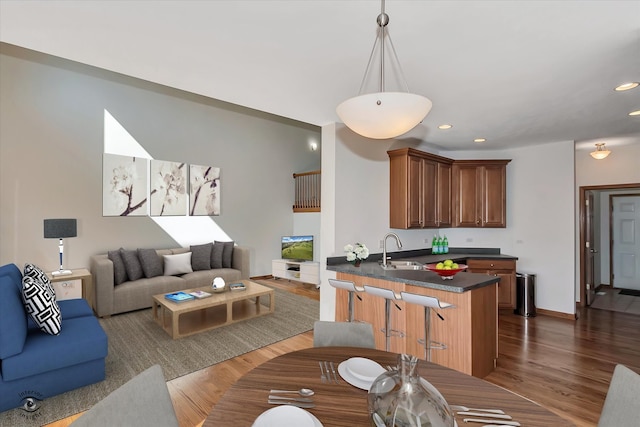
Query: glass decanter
(400, 398)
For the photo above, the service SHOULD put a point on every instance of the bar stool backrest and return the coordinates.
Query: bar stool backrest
(380, 292)
(344, 284)
(424, 300)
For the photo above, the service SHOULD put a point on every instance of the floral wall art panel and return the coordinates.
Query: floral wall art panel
(168, 188)
(124, 185)
(204, 190)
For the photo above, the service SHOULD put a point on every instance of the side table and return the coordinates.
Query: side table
(81, 274)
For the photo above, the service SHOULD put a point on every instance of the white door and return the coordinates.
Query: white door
(626, 241)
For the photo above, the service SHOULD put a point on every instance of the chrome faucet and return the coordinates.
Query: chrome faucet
(384, 247)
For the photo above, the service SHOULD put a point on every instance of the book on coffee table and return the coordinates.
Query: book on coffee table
(237, 287)
(179, 296)
(200, 294)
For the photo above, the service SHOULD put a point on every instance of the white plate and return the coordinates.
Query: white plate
(364, 369)
(285, 416)
(348, 377)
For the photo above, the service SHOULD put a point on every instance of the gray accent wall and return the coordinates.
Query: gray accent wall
(52, 141)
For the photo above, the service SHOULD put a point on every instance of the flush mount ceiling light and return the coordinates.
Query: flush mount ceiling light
(445, 127)
(627, 86)
(480, 140)
(383, 115)
(601, 151)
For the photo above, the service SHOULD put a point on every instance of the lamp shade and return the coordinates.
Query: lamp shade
(601, 152)
(60, 228)
(384, 115)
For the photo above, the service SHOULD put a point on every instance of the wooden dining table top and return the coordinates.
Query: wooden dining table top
(345, 405)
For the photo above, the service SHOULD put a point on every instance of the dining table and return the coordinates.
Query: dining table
(342, 404)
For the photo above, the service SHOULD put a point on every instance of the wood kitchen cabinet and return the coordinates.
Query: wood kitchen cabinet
(505, 270)
(479, 193)
(420, 189)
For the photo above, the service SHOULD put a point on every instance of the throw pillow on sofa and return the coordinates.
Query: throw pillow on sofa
(41, 305)
(36, 273)
(216, 255)
(119, 270)
(151, 262)
(132, 264)
(177, 264)
(227, 254)
(201, 256)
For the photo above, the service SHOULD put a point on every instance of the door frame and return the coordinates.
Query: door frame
(583, 190)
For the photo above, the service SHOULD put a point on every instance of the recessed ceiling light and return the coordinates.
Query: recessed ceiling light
(627, 86)
(445, 126)
(635, 113)
(479, 140)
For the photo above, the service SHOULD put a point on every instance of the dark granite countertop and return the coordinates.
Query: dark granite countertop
(461, 282)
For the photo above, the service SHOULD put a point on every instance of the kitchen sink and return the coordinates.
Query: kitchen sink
(403, 265)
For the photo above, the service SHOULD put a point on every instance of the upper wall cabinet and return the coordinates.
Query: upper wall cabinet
(479, 193)
(420, 189)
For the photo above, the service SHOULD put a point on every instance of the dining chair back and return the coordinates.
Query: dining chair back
(343, 334)
(142, 401)
(622, 404)
(352, 290)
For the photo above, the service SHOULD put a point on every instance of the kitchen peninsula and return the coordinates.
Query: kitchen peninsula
(469, 329)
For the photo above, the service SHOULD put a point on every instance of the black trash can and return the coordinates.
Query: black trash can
(525, 294)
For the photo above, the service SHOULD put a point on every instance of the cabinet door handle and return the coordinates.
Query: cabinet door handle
(477, 222)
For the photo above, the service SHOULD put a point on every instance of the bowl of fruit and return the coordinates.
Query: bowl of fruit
(446, 269)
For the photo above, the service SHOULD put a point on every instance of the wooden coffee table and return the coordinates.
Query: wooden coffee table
(181, 319)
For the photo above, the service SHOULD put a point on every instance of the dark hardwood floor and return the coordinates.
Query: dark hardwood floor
(562, 364)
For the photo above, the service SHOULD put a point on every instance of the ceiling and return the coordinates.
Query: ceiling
(516, 73)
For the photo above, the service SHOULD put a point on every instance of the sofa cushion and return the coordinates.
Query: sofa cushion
(201, 256)
(14, 272)
(13, 326)
(227, 254)
(119, 270)
(216, 255)
(151, 263)
(81, 340)
(72, 308)
(132, 264)
(41, 305)
(177, 264)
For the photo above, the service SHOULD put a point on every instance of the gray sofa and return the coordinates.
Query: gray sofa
(112, 298)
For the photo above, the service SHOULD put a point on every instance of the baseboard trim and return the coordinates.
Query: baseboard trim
(558, 314)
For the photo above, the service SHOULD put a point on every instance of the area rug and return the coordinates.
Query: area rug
(632, 292)
(136, 342)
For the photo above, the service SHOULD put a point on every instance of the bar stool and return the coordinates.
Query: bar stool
(352, 289)
(389, 296)
(428, 303)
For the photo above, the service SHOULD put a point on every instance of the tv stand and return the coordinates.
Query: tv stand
(300, 271)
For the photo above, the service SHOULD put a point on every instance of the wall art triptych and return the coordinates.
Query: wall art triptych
(134, 186)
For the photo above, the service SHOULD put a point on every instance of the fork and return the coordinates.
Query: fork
(323, 377)
(335, 375)
(328, 371)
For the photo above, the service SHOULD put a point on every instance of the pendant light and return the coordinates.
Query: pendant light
(383, 115)
(601, 151)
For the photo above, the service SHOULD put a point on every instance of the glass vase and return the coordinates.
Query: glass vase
(400, 398)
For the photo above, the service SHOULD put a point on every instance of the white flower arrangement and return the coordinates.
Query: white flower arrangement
(356, 253)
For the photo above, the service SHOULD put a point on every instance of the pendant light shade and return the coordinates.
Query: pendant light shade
(601, 151)
(383, 115)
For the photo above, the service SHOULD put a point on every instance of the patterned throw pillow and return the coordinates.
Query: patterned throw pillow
(41, 305)
(36, 273)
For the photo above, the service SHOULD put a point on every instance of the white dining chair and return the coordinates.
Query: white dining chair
(622, 404)
(352, 290)
(428, 303)
(343, 334)
(389, 296)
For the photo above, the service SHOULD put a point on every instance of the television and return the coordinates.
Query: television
(297, 248)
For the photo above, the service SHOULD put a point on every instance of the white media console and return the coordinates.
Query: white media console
(301, 271)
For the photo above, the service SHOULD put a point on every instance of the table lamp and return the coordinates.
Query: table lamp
(59, 229)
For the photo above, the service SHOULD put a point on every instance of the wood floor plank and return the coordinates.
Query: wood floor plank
(562, 364)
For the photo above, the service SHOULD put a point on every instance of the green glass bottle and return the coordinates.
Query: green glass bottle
(445, 245)
(434, 245)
